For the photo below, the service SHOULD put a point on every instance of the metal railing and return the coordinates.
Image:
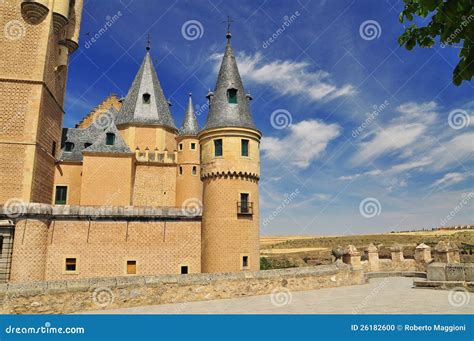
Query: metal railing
(245, 207)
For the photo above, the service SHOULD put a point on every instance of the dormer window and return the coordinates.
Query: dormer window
(110, 139)
(69, 146)
(232, 96)
(87, 145)
(146, 98)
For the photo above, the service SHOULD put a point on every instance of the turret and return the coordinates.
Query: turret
(188, 182)
(60, 14)
(230, 170)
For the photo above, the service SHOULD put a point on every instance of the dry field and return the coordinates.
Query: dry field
(291, 251)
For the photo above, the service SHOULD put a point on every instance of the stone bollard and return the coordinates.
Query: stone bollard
(373, 256)
(352, 257)
(397, 253)
(423, 253)
(446, 252)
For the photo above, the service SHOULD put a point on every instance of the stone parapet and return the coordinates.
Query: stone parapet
(44, 211)
(117, 292)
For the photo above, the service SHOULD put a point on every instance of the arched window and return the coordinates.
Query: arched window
(68, 147)
(146, 98)
(110, 139)
(232, 96)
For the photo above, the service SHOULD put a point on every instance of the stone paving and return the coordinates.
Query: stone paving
(394, 295)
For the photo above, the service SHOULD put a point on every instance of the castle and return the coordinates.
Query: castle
(125, 192)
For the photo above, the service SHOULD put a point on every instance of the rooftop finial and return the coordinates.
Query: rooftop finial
(148, 42)
(228, 21)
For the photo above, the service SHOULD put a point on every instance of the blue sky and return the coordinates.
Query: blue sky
(359, 134)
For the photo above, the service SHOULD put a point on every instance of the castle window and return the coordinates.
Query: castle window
(194, 170)
(184, 270)
(71, 264)
(61, 195)
(193, 146)
(110, 139)
(131, 267)
(68, 147)
(244, 144)
(245, 261)
(180, 146)
(244, 202)
(1, 246)
(232, 96)
(87, 145)
(53, 149)
(146, 98)
(218, 147)
(180, 170)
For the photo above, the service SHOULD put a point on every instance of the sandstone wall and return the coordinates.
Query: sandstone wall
(155, 185)
(117, 292)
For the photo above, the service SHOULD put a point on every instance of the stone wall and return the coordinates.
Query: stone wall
(118, 292)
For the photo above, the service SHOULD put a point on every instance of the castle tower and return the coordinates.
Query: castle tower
(188, 182)
(39, 36)
(230, 170)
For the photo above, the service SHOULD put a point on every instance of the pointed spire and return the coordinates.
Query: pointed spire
(145, 102)
(229, 105)
(190, 125)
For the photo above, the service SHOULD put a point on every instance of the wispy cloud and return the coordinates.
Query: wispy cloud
(289, 77)
(305, 142)
(450, 179)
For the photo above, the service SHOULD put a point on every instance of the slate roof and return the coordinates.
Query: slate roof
(80, 136)
(190, 125)
(222, 113)
(100, 145)
(134, 108)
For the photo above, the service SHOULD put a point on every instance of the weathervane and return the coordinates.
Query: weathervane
(148, 43)
(228, 21)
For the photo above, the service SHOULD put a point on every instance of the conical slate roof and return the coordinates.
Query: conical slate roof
(190, 125)
(145, 102)
(222, 113)
(100, 145)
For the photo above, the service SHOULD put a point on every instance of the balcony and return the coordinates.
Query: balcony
(244, 208)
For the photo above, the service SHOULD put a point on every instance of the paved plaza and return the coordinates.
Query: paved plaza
(380, 296)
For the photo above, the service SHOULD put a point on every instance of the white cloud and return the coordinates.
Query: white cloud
(450, 179)
(455, 151)
(305, 142)
(374, 172)
(288, 77)
(386, 140)
(420, 112)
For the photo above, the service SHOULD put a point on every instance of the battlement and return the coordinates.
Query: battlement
(156, 156)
